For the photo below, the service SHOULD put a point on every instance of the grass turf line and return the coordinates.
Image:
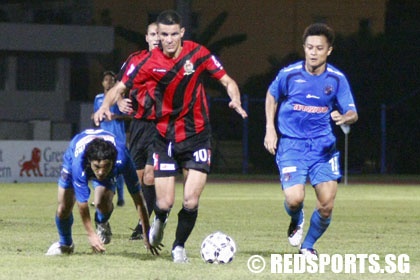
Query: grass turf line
(367, 219)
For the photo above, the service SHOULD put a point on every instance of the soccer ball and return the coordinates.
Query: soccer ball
(218, 248)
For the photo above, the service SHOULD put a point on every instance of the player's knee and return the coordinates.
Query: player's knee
(294, 202)
(164, 204)
(325, 210)
(148, 179)
(294, 196)
(105, 206)
(63, 211)
(190, 203)
(295, 207)
(325, 207)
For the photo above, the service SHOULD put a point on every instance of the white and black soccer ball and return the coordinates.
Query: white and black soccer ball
(218, 248)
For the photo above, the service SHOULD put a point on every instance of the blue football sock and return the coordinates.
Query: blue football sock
(296, 215)
(102, 218)
(317, 227)
(64, 229)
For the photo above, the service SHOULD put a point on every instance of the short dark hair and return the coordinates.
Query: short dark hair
(150, 24)
(169, 17)
(317, 29)
(99, 149)
(108, 72)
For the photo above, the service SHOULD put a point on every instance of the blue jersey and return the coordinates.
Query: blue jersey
(306, 100)
(117, 127)
(74, 175)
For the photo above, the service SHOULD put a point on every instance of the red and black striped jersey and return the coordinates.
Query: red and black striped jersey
(142, 100)
(177, 84)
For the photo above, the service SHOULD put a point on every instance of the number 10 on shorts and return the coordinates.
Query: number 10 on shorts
(202, 156)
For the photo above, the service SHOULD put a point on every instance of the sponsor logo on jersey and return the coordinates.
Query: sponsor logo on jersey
(310, 109)
(312, 96)
(159, 70)
(300, 81)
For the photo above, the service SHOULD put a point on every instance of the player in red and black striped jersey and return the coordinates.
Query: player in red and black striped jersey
(173, 74)
(142, 128)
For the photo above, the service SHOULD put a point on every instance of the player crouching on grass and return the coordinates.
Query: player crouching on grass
(95, 155)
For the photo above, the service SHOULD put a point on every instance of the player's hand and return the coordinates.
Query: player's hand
(153, 249)
(338, 118)
(96, 243)
(102, 114)
(125, 106)
(235, 105)
(270, 140)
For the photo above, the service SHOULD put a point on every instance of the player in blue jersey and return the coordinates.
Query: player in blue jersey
(96, 156)
(310, 94)
(116, 125)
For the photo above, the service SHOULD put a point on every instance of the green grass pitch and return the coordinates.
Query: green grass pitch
(367, 219)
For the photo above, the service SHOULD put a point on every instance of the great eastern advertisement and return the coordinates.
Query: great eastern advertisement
(31, 161)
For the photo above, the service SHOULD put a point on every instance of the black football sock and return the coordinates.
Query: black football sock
(161, 214)
(150, 197)
(186, 222)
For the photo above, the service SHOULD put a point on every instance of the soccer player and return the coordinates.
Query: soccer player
(116, 125)
(309, 94)
(142, 127)
(173, 72)
(94, 155)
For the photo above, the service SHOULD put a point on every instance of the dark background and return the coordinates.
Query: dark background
(383, 71)
(384, 74)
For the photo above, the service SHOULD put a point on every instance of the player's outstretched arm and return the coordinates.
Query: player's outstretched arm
(140, 203)
(270, 139)
(94, 240)
(112, 97)
(234, 94)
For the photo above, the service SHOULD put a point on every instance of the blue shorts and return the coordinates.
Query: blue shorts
(300, 159)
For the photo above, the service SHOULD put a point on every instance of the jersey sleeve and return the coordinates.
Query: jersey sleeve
(345, 100)
(213, 65)
(276, 86)
(122, 69)
(131, 68)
